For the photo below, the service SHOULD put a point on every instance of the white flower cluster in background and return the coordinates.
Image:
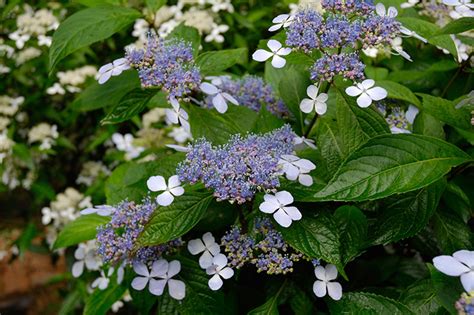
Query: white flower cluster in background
(125, 144)
(71, 80)
(44, 133)
(90, 171)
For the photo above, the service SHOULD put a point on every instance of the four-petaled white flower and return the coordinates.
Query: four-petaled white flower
(158, 183)
(102, 210)
(315, 101)
(461, 264)
(215, 34)
(220, 271)
(219, 98)
(276, 51)
(207, 246)
(20, 39)
(125, 143)
(462, 8)
(277, 204)
(297, 168)
(410, 33)
(87, 257)
(161, 274)
(366, 92)
(112, 69)
(177, 115)
(103, 281)
(323, 285)
(302, 142)
(391, 12)
(282, 20)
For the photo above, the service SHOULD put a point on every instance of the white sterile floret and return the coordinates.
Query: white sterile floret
(207, 246)
(462, 8)
(102, 210)
(177, 115)
(366, 92)
(20, 39)
(324, 285)
(216, 33)
(161, 274)
(302, 142)
(219, 271)
(396, 44)
(102, 282)
(276, 51)
(114, 68)
(297, 168)
(314, 102)
(391, 12)
(219, 98)
(410, 33)
(125, 144)
(158, 183)
(409, 4)
(461, 264)
(86, 256)
(278, 206)
(282, 20)
(56, 89)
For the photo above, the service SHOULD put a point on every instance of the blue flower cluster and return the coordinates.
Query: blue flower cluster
(117, 239)
(252, 92)
(240, 168)
(347, 65)
(264, 248)
(166, 64)
(465, 305)
(348, 7)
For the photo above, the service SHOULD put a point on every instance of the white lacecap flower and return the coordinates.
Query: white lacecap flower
(103, 281)
(366, 92)
(324, 285)
(276, 51)
(297, 168)
(114, 68)
(219, 271)
(125, 143)
(219, 98)
(411, 33)
(314, 102)
(86, 256)
(281, 21)
(158, 183)
(207, 246)
(177, 115)
(391, 12)
(460, 264)
(302, 142)
(56, 89)
(44, 40)
(180, 135)
(102, 210)
(215, 34)
(462, 8)
(20, 39)
(161, 274)
(278, 206)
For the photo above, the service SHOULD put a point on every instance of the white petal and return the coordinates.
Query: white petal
(120, 274)
(411, 113)
(319, 288)
(139, 283)
(293, 212)
(275, 27)
(116, 71)
(334, 290)
(284, 197)
(156, 287)
(278, 62)
(307, 105)
(80, 253)
(185, 124)
(331, 272)
(156, 183)
(176, 289)
(321, 108)
(214, 249)
(219, 103)
(226, 273)
(284, 51)
(120, 62)
(230, 98)
(215, 283)
(159, 268)
(174, 103)
(274, 45)
(173, 181)
(177, 191)
(392, 12)
(104, 283)
(466, 257)
(106, 68)
(196, 246)
(380, 9)
(271, 199)
(174, 268)
(205, 261)
(280, 18)
(87, 211)
(141, 269)
(305, 164)
(208, 88)
(305, 180)
(165, 199)
(220, 260)
(449, 265)
(367, 84)
(364, 100)
(467, 281)
(208, 239)
(172, 116)
(353, 91)
(261, 55)
(104, 77)
(282, 218)
(377, 93)
(312, 91)
(268, 207)
(320, 273)
(77, 269)
(292, 172)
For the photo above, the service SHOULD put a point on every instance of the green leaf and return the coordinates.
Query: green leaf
(270, 307)
(70, 303)
(448, 289)
(214, 62)
(420, 297)
(101, 300)
(392, 164)
(352, 225)
(132, 104)
(86, 27)
(451, 232)
(405, 215)
(188, 34)
(367, 303)
(399, 92)
(168, 223)
(218, 128)
(98, 95)
(155, 5)
(82, 229)
(447, 112)
(427, 125)
(458, 26)
(376, 73)
(316, 237)
(266, 122)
